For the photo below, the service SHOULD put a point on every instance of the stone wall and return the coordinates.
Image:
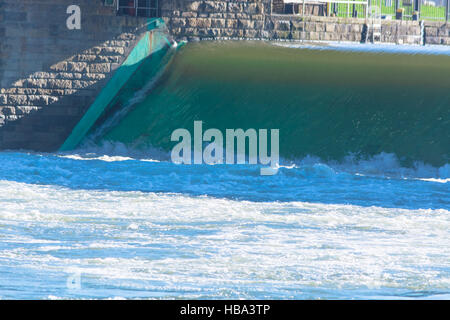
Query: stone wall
(249, 19)
(50, 75)
(314, 28)
(215, 19)
(401, 32)
(437, 33)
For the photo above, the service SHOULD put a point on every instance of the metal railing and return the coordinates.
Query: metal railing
(414, 9)
(387, 9)
(332, 8)
(354, 9)
(138, 8)
(434, 10)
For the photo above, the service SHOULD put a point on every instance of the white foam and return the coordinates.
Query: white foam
(134, 244)
(383, 164)
(368, 47)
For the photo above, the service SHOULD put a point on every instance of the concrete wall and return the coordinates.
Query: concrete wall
(50, 75)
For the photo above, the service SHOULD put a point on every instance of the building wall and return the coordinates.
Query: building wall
(50, 75)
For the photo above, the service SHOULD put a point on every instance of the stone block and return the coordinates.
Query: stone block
(251, 34)
(218, 23)
(234, 7)
(112, 51)
(93, 76)
(330, 27)
(314, 35)
(432, 40)
(60, 66)
(258, 25)
(254, 8)
(356, 28)
(16, 100)
(193, 6)
(245, 24)
(213, 6)
(100, 68)
(178, 22)
(320, 27)
(297, 25)
(283, 25)
(310, 27)
(7, 110)
(80, 84)
(77, 66)
(59, 84)
(232, 23)
(189, 14)
(38, 100)
(86, 57)
(203, 23)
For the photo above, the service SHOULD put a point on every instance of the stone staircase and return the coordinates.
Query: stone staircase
(51, 75)
(77, 75)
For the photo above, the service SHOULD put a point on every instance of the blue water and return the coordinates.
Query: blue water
(144, 228)
(113, 222)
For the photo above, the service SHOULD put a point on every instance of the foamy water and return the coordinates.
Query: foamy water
(151, 229)
(369, 47)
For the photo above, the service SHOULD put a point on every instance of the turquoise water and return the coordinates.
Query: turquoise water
(343, 218)
(326, 103)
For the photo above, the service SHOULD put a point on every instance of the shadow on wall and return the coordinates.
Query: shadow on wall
(49, 75)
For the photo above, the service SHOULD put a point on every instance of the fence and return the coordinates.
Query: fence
(139, 8)
(355, 9)
(338, 8)
(413, 9)
(386, 9)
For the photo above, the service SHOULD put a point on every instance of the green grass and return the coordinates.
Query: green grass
(432, 12)
(342, 10)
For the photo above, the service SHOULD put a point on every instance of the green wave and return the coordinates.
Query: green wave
(326, 103)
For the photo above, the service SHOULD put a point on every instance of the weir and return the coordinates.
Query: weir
(57, 82)
(326, 103)
(148, 55)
